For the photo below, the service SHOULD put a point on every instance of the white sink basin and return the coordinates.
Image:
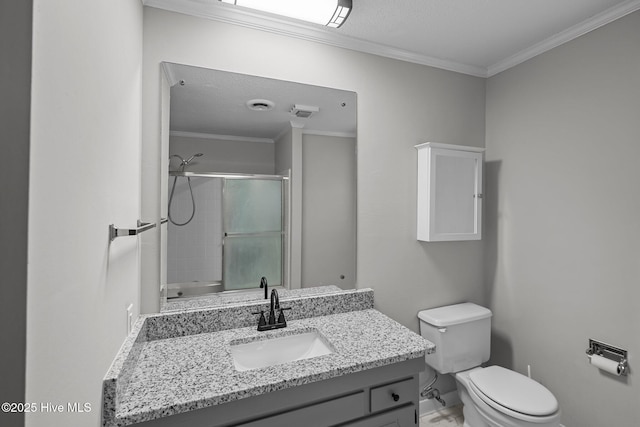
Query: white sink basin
(278, 350)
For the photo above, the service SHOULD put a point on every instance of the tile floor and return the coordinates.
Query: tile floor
(448, 417)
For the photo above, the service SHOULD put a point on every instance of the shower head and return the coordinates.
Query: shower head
(186, 162)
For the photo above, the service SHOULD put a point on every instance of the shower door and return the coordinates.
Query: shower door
(253, 232)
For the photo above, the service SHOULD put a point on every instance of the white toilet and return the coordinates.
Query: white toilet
(492, 396)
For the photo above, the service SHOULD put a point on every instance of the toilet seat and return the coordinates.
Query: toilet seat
(513, 394)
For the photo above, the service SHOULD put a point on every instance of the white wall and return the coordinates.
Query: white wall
(84, 175)
(562, 199)
(399, 105)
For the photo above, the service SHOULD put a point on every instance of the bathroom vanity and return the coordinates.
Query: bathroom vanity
(182, 368)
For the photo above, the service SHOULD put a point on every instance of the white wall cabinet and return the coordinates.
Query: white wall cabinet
(449, 192)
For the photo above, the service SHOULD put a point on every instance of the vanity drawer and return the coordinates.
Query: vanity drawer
(394, 394)
(321, 414)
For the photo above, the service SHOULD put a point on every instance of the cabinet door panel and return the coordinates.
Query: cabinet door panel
(322, 414)
(455, 189)
(449, 193)
(394, 394)
(405, 416)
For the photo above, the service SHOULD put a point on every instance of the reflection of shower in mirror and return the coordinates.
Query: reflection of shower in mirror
(237, 236)
(183, 163)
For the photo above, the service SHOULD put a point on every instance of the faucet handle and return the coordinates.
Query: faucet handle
(281, 318)
(262, 321)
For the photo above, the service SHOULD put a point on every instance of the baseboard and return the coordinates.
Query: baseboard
(431, 405)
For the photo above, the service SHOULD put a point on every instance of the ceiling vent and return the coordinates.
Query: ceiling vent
(260, 104)
(303, 111)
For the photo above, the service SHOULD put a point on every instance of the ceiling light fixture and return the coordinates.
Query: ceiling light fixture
(331, 13)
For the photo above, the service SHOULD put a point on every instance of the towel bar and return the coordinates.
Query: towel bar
(120, 232)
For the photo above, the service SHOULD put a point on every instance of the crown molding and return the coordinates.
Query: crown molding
(329, 133)
(200, 135)
(225, 13)
(565, 36)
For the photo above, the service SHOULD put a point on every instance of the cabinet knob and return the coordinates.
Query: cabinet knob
(395, 397)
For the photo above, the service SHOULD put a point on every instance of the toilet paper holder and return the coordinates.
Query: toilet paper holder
(610, 352)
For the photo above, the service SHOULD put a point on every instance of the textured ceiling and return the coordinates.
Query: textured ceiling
(479, 33)
(478, 37)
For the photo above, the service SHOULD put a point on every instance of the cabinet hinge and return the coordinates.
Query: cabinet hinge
(415, 413)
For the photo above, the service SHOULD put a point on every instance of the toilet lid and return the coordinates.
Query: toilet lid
(514, 391)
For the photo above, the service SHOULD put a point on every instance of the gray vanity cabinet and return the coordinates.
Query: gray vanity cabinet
(391, 404)
(385, 396)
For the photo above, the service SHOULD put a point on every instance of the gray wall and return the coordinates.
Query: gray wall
(329, 211)
(15, 103)
(399, 105)
(562, 217)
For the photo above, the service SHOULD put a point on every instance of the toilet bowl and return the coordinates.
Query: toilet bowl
(498, 397)
(493, 396)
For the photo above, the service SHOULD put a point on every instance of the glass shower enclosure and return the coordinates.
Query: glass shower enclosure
(253, 232)
(238, 233)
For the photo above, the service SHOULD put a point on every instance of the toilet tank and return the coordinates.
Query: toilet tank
(461, 333)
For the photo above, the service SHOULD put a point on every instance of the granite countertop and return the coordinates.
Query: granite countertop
(240, 297)
(180, 374)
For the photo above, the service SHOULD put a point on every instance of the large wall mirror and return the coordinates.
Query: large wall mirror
(260, 180)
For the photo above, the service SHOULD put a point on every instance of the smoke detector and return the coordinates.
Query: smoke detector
(260, 104)
(303, 111)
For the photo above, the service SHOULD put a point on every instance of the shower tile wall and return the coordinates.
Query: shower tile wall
(194, 251)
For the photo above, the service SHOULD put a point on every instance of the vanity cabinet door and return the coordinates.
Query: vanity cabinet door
(405, 416)
(390, 395)
(449, 192)
(322, 414)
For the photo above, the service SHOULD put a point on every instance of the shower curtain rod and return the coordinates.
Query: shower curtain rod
(226, 175)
